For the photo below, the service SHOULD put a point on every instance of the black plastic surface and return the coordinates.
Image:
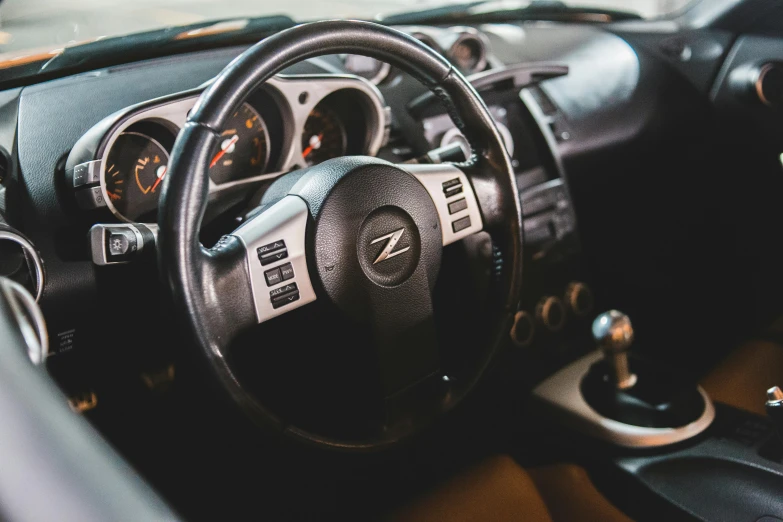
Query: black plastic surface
(720, 476)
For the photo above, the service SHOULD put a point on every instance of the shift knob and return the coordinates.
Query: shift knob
(613, 332)
(774, 407)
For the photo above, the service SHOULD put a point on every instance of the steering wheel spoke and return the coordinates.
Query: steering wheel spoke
(454, 198)
(274, 243)
(404, 331)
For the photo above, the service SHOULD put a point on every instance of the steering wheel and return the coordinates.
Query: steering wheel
(360, 232)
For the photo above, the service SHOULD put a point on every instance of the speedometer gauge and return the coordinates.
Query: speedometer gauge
(324, 136)
(243, 149)
(135, 167)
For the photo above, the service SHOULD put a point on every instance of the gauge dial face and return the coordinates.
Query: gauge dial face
(324, 136)
(368, 68)
(243, 149)
(135, 168)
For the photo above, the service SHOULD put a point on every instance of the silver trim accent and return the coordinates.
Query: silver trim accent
(25, 309)
(32, 254)
(561, 392)
(432, 177)
(286, 220)
(469, 33)
(393, 238)
(286, 89)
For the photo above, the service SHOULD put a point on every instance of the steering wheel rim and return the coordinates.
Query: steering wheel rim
(200, 278)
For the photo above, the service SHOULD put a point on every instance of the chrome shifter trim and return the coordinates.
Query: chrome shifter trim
(562, 392)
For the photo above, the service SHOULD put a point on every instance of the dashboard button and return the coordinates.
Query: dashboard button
(287, 271)
(89, 198)
(277, 292)
(283, 300)
(268, 259)
(460, 224)
(273, 277)
(86, 173)
(121, 245)
(271, 247)
(284, 295)
(450, 183)
(453, 191)
(456, 206)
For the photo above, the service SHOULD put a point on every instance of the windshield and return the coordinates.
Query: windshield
(43, 25)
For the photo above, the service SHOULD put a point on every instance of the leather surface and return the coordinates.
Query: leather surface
(743, 377)
(55, 466)
(499, 490)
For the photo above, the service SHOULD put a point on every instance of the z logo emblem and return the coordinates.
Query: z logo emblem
(387, 253)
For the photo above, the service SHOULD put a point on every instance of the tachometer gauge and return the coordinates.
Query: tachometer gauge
(243, 149)
(324, 136)
(135, 167)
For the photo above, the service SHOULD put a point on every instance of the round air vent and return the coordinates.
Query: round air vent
(20, 261)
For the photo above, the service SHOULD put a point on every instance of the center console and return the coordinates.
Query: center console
(656, 440)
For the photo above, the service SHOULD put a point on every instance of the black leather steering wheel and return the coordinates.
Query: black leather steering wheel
(360, 232)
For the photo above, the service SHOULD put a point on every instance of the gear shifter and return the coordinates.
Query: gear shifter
(613, 332)
(624, 398)
(650, 395)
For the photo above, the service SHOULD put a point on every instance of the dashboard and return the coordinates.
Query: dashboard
(599, 124)
(94, 182)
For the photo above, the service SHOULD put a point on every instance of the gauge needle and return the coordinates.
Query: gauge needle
(160, 177)
(315, 142)
(223, 149)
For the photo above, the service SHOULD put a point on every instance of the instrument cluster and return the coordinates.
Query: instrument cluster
(291, 122)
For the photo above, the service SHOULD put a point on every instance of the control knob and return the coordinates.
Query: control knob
(551, 313)
(762, 82)
(523, 329)
(579, 298)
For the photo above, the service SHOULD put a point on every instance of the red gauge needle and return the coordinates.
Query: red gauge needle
(313, 144)
(226, 145)
(157, 181)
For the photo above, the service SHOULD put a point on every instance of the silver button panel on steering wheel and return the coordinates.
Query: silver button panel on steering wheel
(274, 243)
(454, 199)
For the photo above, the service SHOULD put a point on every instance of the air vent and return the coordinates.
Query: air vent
(20, 261)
